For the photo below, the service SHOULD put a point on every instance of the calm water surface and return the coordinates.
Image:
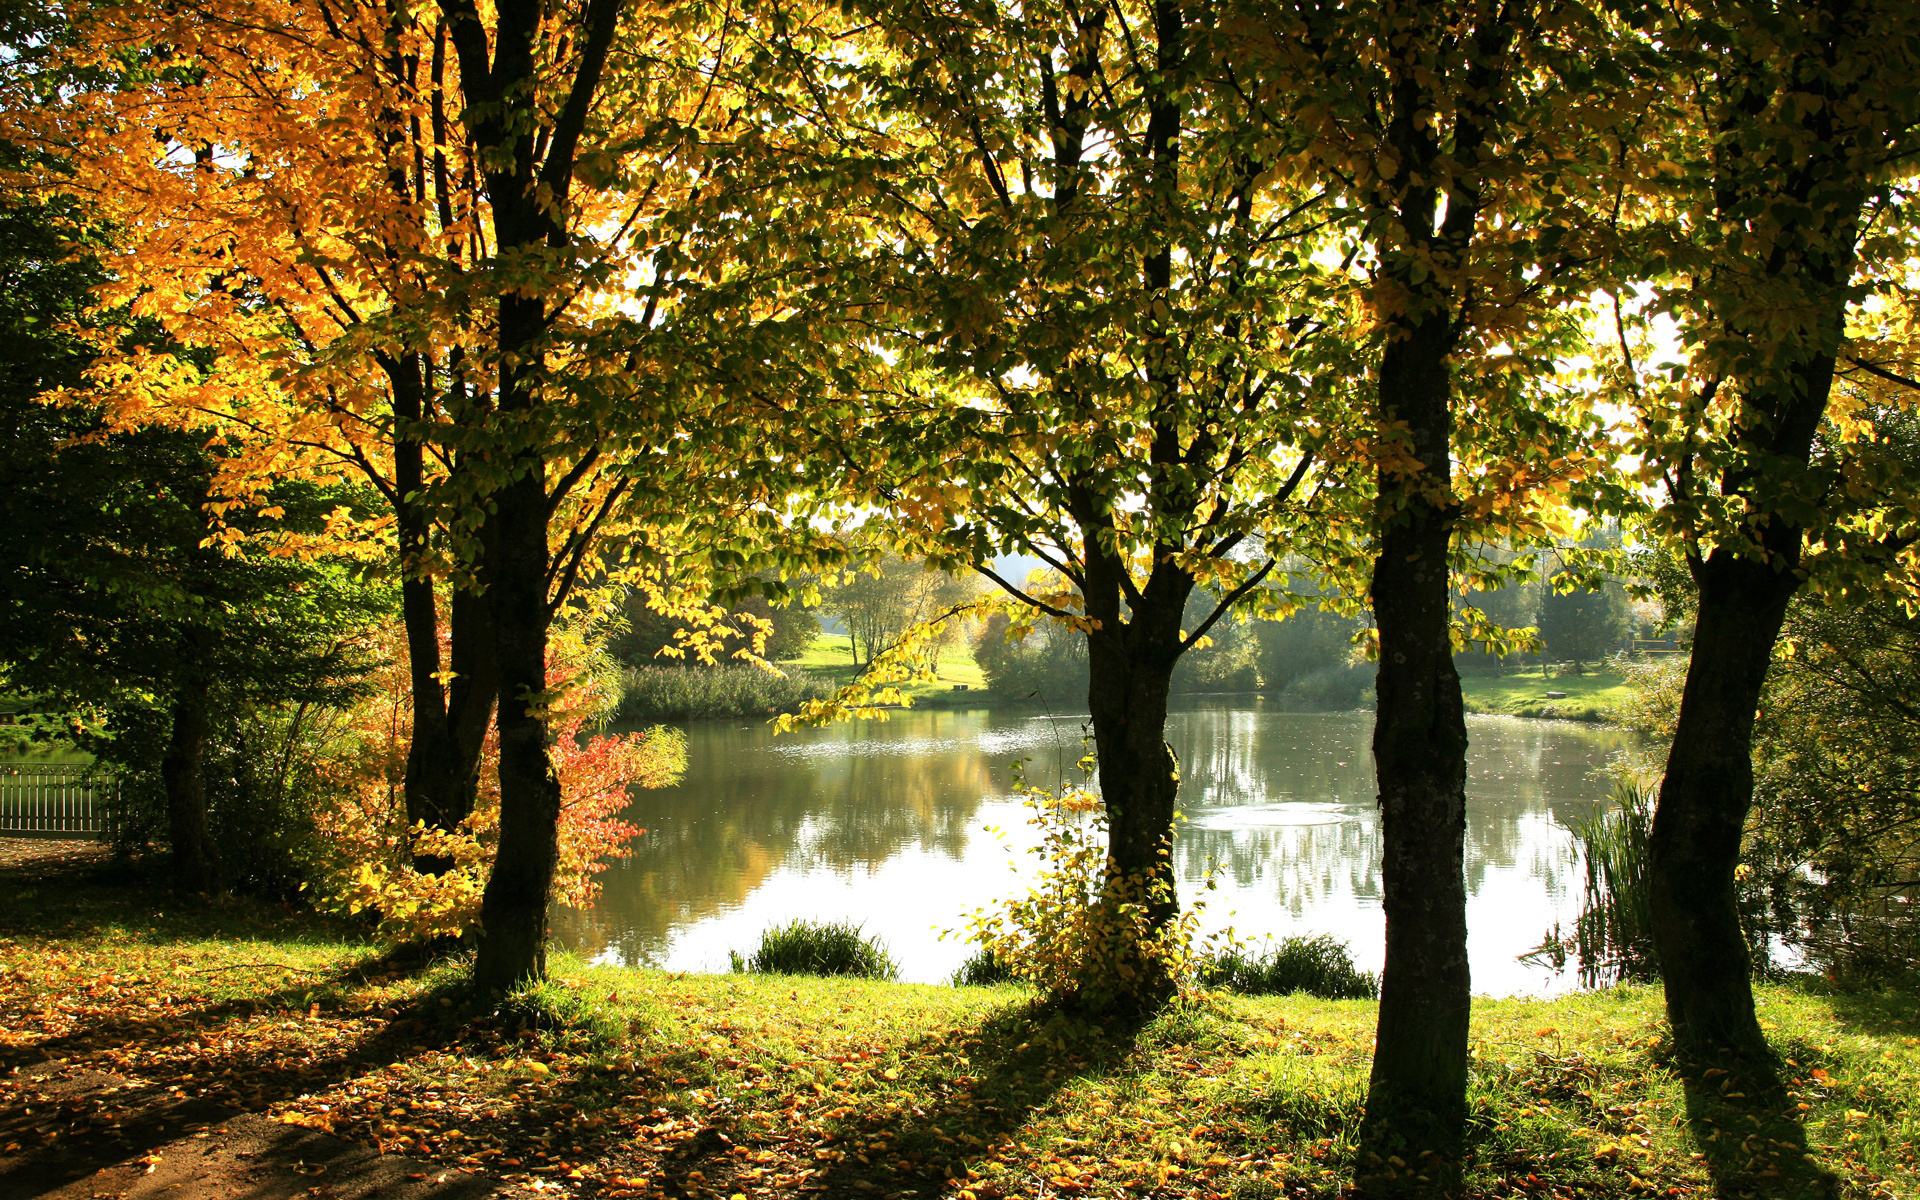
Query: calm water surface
(907, 825)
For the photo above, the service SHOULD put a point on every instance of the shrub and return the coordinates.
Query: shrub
(365, 859)
(983, 970)
(1320, 966)
(1082, 937)
(818, 948)
(694, 692)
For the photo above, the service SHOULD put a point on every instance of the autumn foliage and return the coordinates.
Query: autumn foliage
(368, 855)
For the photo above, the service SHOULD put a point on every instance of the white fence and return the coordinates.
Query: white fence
(54, 800)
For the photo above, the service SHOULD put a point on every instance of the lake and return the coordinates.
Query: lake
(906, 825)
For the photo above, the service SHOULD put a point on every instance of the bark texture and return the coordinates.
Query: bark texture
(1416, 1095)
(528, 181)
(1129, 676)
(513, 911)
(196, 866)
(1702, 813)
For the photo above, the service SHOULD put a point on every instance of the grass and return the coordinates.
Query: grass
(823, 948)
(830, 658)
(627, 1083)
(1316, 966)
(1595, 696)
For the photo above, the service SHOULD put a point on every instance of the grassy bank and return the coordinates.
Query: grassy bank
(678, 693)
(958, 680)
(613, 1082)
(1596, 696)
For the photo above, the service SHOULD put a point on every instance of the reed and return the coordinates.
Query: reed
(1612, 939)
(690, 693)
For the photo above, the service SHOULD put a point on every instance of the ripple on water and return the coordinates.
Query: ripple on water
(1271, 816)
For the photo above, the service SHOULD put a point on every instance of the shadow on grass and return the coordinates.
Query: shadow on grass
(959, 1094)
(1887, 1011)
(1748, 1126)
(1018, 1060)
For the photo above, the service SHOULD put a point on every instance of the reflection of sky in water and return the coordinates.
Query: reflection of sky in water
(886, 825)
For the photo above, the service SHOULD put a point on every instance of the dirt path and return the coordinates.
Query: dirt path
(74, 1134)
(68, 1132)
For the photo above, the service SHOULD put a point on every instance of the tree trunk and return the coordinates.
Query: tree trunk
(429, 782)
(1139, 779)
(1806, 192)
(471, 695)
(513, 911)
(1416, 1096)
(1702, 814)
(430, 764)
(530, 171)
(195, 864)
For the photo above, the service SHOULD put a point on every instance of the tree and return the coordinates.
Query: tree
(649, 637)
(1075, 237)
(1449, 129)
(412, 235)
(115, 597)
(1581, 625)
(1779, 215)
(880, 603)
(1047, 664)
(307, 235)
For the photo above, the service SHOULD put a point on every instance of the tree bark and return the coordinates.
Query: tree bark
(1809, 187)
(429, 776)
(1129, 676)
(1702, 814)
(1417, 1091)
(1416, 1096)
(513, 911)
(195, 863)
(471, 695)
(529, 157)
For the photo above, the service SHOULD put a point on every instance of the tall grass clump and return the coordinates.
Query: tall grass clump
(733, 690)
(1612, 939)
(1319, 966)
(817, 948)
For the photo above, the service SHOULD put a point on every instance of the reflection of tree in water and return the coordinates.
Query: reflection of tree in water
(1298, 800)
(840, 799)
(1303, 865)
(1285, 803)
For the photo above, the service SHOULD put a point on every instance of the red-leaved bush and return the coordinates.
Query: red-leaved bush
(366, 849)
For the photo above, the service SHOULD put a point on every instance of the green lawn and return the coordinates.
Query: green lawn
(1597, 696)
(831, 657)
(616, 1083)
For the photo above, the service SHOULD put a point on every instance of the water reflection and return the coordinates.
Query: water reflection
(885, 824)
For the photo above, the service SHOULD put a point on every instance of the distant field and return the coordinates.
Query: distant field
(1597, 696)
(830, 657)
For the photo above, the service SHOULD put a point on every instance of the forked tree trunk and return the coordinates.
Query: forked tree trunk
(195, 863)
(527, 183)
